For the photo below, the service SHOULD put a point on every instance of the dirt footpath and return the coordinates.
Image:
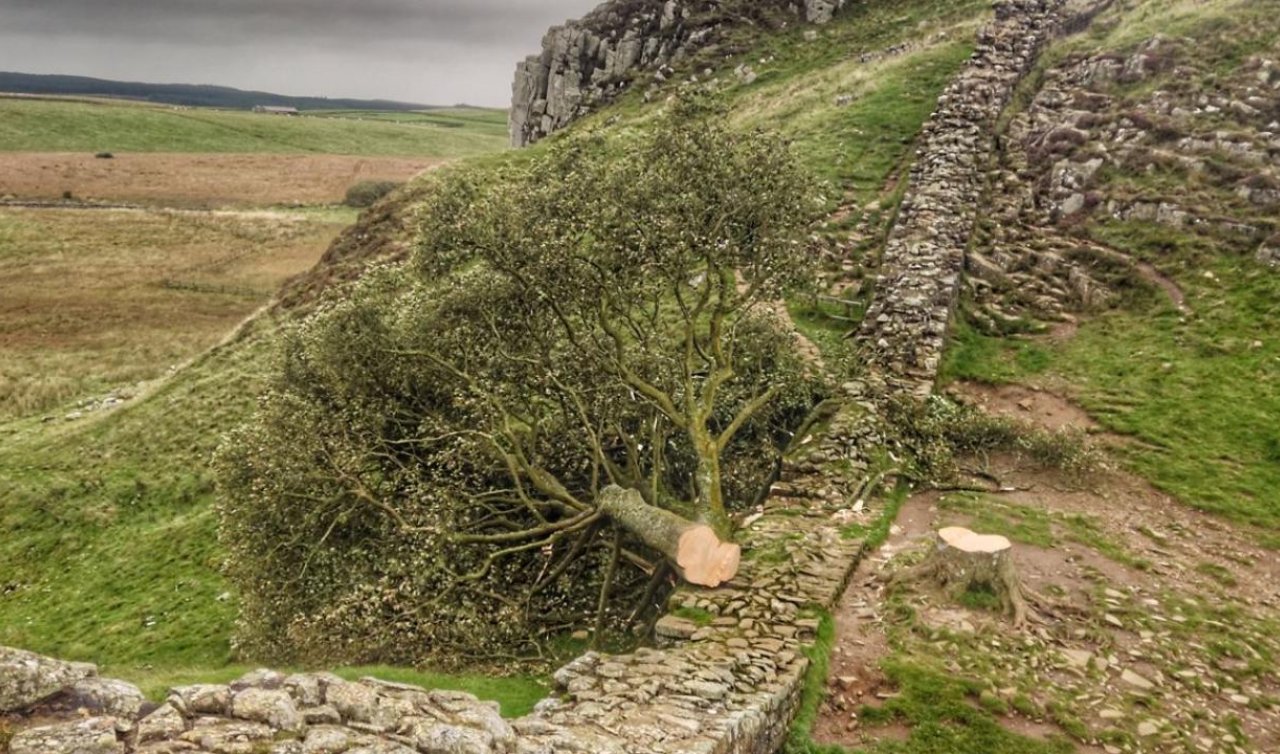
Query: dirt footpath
(1157, 626)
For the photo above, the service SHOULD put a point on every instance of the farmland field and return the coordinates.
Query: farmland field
(42, 125)
(197, 180)
(113, 271)
(95, 300)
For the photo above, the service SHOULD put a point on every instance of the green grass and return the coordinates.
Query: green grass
(859, 145)
(491, 122)
(63, 126)
(1199, 393)
(110, 552)
(799, 739)
(814, 689)
(1020, 523)
(516, 694)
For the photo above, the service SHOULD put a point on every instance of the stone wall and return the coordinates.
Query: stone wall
(905, 329)
(586, 63)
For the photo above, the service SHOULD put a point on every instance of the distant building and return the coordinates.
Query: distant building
(275, 110)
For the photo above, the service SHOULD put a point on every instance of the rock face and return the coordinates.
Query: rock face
(96, 735)
(588, 62)
(905, 329)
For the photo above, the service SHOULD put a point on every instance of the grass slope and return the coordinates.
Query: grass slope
(111, 555)
(1198, 392)
(66, 126)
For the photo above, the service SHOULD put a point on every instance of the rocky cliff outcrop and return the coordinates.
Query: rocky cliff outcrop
(588, 62)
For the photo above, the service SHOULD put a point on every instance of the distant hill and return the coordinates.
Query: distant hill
(191, 95)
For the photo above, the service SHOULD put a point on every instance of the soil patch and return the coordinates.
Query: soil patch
(198, 180)
(1028, 405)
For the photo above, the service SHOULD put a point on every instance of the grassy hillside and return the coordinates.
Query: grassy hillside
(1195, 391)
(79, 126)
(194, 95)
(112, 553)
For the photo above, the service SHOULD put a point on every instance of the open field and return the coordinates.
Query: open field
(491, 122)
(68, 126)
(197, 180)
(92, 300)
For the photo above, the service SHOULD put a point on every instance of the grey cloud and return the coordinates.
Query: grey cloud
(458, 47)
(218, 21)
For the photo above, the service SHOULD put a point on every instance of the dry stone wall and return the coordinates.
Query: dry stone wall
(588, 62)
(726, 674)
(905, 329)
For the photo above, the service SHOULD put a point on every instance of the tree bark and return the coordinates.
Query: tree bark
(963, 560)
(697, 553)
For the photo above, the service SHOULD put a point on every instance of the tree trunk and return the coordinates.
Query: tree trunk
(698, 554)
(963, 560)
(708, 484)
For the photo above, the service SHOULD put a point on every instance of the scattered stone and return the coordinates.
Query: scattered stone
(1076, 658)
(1136, 681)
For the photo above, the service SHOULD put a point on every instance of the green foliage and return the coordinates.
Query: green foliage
(938, 431)
(421, 479)
(944, 713)
(366, 193)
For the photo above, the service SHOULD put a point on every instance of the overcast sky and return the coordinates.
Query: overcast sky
(430, 51)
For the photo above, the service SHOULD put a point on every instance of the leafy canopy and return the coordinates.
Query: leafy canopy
(421, 478)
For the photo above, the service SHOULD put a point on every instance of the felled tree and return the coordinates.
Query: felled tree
(548, 397)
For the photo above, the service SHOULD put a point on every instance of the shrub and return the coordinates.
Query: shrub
(366, 193)
(421, 480)
(939, 431)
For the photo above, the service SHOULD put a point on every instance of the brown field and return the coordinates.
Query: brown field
(94, 300)
(197, 180)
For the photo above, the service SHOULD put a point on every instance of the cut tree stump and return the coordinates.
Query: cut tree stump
(963, 560)
(698, 554)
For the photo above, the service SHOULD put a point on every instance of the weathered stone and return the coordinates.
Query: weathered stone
(96, 735)
(202, 699)
(108, 697)
(274, 707)
(435, 736)
(162, 724)
(1076, 658)
(220, 735)
(353, 701)
(1136, 681)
